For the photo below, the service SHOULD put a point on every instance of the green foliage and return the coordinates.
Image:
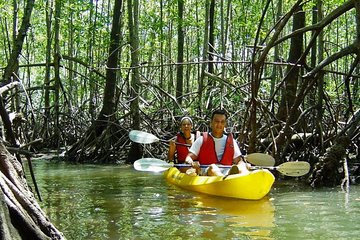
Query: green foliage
(84, 42)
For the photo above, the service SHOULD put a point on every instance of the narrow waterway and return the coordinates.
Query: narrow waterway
(117, 202)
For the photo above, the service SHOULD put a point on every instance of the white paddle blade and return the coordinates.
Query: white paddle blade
(260, 159)
(142, 137)
(151, 165)
(294, 169)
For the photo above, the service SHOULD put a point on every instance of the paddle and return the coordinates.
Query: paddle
(144, 137)
(292, 169)
(259, 159)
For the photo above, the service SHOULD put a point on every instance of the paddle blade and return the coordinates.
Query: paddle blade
(260, 159)
(142, 137)
(151, 165)
(294, 169)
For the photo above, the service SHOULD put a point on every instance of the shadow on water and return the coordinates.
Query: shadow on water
(117, 202)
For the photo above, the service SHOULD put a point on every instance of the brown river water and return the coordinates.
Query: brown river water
(118, 202)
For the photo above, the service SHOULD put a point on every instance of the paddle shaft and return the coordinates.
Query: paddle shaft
(293, 169)
(202, 166)
(226, 166)
(177, 143)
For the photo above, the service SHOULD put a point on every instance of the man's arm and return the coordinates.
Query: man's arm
(194, 151)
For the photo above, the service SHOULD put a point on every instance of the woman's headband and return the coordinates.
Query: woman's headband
(188, 118)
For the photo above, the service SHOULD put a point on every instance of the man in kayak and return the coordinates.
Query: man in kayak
(183, 137)
(214, 148)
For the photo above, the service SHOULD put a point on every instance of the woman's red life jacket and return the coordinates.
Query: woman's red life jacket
(182, 151)
(207, 154)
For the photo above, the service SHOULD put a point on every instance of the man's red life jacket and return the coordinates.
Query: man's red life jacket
(207, 154)
(182, 151)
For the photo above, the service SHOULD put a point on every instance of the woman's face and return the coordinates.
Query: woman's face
(186, 125)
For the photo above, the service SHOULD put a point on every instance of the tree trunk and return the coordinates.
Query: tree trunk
(320, 87)
(292, 75)
(201, 86)
(57, 58)
(18, 42)
(135, 151)
(20, 217)
(211, 48)
(108, 108)
(71, 51)
(225, 22)
(211, 35)
(49, 12)
(15, 101)
(92, 40)
(276, 69)
(180, 54)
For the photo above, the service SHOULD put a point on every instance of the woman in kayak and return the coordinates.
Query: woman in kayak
(179, 145)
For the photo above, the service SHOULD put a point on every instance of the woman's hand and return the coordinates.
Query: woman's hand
(172, 150)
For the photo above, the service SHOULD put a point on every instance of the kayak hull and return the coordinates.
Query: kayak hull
(251, 186)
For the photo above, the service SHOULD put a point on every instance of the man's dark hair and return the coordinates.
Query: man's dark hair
(220, 112)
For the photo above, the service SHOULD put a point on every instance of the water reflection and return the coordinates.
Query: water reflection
(254, 219)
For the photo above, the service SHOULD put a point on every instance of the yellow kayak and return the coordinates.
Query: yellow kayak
(252, 186)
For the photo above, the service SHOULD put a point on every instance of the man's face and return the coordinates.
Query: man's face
(218, 124)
